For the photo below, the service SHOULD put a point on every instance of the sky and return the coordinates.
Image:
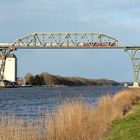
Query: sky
(117, 18)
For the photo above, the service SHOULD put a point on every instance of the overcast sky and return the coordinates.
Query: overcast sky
(118, 18)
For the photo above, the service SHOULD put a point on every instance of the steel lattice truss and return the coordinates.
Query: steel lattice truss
(64, 40)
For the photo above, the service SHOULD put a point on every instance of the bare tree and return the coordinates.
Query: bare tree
(26, 78)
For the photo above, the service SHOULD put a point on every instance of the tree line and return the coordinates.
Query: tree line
(53, 80)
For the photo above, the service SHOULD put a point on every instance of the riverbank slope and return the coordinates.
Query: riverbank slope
(127, 128)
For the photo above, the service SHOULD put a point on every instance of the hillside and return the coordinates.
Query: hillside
(53, 80)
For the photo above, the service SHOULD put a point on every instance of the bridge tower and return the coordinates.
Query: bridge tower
(5, 56)
(133, 53)
(3, 53)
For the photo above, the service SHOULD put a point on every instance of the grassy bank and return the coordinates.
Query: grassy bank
(127, 128)
(74, 120)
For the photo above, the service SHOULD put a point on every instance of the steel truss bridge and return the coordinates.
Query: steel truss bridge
(82, 40)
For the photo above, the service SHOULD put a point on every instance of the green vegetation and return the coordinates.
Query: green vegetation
(52, 80)
(36, 80)
(127, 128)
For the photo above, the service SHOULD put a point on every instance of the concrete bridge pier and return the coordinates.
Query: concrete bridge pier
(136, 85)
(2, 84)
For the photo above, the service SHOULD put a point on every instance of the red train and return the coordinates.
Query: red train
(97, 44)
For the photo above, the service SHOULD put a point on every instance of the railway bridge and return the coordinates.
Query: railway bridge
(68, 40)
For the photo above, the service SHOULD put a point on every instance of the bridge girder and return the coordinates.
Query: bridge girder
(64, 40)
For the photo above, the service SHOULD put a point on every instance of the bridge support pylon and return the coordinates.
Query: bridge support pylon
(3, 55)
(135, 58)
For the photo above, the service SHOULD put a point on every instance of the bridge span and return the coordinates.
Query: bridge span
(68, 40)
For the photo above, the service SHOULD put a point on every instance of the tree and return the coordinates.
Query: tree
(36, 80)
(39, 80)
(26, 78)
(31, 80)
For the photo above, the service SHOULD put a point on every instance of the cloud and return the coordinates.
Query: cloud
(118, 18)
(110, 9)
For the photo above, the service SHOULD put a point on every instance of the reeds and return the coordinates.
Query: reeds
(74, 120)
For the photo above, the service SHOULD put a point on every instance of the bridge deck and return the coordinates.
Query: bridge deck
(2, 47)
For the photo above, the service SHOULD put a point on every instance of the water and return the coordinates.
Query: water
(30, 102)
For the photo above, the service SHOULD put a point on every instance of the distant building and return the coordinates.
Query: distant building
(10, 71)
(20, 82)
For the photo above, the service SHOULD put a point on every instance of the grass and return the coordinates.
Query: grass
(127, 128)
(74, 120)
